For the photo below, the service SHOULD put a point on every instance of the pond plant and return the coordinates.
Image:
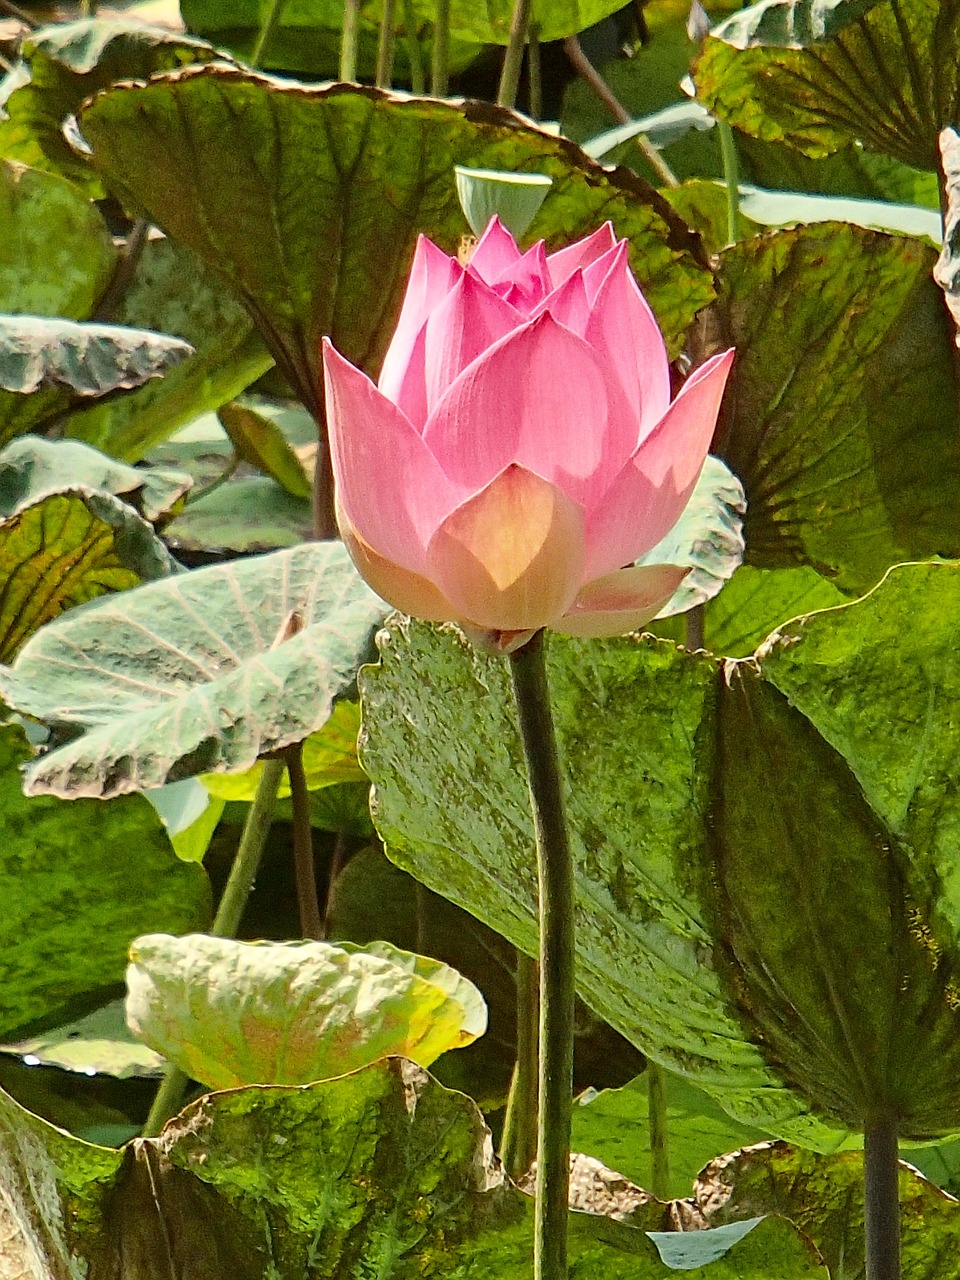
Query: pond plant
(517, 559)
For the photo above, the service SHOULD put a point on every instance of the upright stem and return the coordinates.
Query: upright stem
(348, 40)
(267, 27)
(418, 82)
(731, 176)
(518, 1147)
(513, 58)
(555, 875)
(659, 1138)
(169, 1095)
(385, 45)
(534, 71)
(440, 58)
(882, 1200)
(305, 871)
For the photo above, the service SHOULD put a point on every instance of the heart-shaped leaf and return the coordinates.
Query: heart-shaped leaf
(203, 672)
(91, 359)
(78, 884)
(841, 417)
(382, 1168)
(234, 1013)
(825, 75)
(368, 171)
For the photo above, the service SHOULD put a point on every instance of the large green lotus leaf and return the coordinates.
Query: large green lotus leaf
(823, 1195)
(636, 726)
(32, 467)
(381, 1171)
(337, 180)
(56, 251)
(841, 415)
(63, 64)
(173, 292)
(203, 672)
(90, 359)
(78, 883)
(818, 77)
(613, 1125)
(234, 1013)
(752, 604)
(65, 548)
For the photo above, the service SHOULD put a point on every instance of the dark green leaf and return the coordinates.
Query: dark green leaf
(203, 672)
(822, 76)
(381, 1169)
(367, 171)
(823, 1195)
(78, 883)
(841, 417)
(91, 359)
(173, 292)
(234, 1013)
(65, 549)
(65, 63)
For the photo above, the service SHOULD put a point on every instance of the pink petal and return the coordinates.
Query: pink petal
(432, 275)
(568, 305)
(466, 322)
(510, 558)
(527, 279)
(623, 326)
(536, 397)
(565, 261)
(648, 497)
(409, 592)
(621, 601)
(495, 252)
(389, 485)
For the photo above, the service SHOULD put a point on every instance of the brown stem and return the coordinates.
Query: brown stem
(311, 924)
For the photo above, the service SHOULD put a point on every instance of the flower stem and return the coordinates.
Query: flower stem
(882, 1199)
(535, 71)
(169, 1095)
(267, 28)
(659, 1137)
(418, 83)
(440, 57)
(555, 875)
(513, 58)
(518, 1147)
(731, 176)
(348, 40)
(385, 45)
(305, 872)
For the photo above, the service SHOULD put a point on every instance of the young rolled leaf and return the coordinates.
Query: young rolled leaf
(90, 359)
(204, 672)
(823, 76)
(261, 443)
(338, 148)
(77, 884)
(234, 1013)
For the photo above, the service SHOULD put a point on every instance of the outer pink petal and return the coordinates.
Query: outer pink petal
(623, 326)
(649, 495)
(466, 322)
(389, 485)
(409, 592)
(568, 304)
(495, 252)
(537, 398)
(565, 261)
(511, 557)
(431, 276)
(621, 601)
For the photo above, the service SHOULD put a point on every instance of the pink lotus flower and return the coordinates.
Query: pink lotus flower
(520, 447)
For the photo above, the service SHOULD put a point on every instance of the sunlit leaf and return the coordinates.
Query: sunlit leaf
(100, 1043)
